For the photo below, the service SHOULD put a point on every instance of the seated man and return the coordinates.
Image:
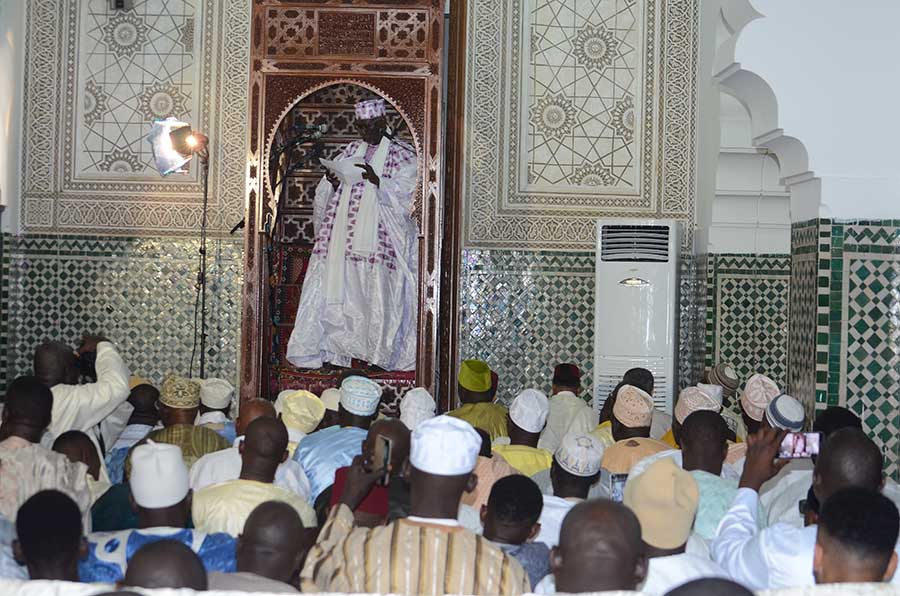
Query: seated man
(510, 521)
(383, 503)
(632, 415)
(162, 498)
(301, 412)
(526, 419)
(781, 555)
(270, 552)
(489, 470)
(568, 411)
(179, 402)
(166, 564)
(324, 451)
(664, 499)
(27, 467)
(225, 507)
(351, 559)
(576, 467)
(690, 400)
(50, 539)
(856, 540)
(477, 399)
(144, 398)
(79, 448)
(77, 406)
(215, 407)
(599, 550)
(225, 465)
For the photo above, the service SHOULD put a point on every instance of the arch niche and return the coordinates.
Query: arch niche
(309, 66)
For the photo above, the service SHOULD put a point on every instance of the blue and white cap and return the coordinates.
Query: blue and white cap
(786, 413)
(360, 395)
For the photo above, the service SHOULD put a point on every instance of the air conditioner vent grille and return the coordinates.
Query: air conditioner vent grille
(634, 243)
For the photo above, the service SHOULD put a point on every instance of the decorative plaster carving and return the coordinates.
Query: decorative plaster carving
(577, 112)
(96, 78)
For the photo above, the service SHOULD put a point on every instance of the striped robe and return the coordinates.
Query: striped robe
(405, 557)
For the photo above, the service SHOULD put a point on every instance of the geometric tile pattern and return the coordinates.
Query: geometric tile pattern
(584, 100)
(747, 314)
(692, 320)
(137, 291)
(802, 334)
(96, 78)
(577, 110)
(524, 311)
(870, 379)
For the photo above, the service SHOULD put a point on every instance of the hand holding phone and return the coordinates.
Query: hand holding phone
(382, 457)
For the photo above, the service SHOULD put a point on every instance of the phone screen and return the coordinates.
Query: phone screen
(382, 457)
(800, 445)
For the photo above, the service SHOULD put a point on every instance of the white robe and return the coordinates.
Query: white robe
(376, 320)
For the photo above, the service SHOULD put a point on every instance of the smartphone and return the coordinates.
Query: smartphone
(800, 445)
(382, 457)
(617, 487)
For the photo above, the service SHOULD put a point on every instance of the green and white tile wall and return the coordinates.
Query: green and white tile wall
(857, 358)
(140, 292)
(747, 315)
(524, 311)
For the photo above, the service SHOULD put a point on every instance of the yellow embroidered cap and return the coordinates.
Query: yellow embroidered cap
(180, 393)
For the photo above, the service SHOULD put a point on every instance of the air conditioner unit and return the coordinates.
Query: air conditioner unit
(636, 305)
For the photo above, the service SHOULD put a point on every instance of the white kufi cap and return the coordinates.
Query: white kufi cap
(579, 454)
(786, 413)
(445, 446)
(529, 410)
(159, 477)
(416, 407)
(331, 398)
(216, 393)
(360, 395)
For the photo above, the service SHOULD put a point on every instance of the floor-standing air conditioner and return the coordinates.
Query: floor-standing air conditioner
(636, 309)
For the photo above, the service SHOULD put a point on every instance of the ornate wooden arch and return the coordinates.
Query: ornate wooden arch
(392, 47)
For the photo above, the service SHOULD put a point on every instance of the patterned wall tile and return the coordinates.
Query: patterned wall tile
(525, 311)
(591, 112)
(138, 292)
(4, 308)
(802, 334)
(870, 373)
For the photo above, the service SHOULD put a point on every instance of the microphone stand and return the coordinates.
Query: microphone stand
(271, 226)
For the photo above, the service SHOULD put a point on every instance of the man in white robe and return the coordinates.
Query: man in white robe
(359, 297)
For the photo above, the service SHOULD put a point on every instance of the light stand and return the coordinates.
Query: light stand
(174, 143)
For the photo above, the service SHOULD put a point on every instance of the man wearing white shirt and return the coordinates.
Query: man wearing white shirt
(781, 555)
(665, 499)
(225, 465)
(568, 412)
(576, 466)
(83, 407)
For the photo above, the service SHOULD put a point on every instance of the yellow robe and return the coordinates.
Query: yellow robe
(527, 460)
(489, 417)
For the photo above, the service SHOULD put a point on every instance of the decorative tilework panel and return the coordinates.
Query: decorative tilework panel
(870, 374)
(522, 312)
(138, 292)
(4, 308)
(692, 320)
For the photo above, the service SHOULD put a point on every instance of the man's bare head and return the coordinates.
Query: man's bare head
(599, 549)
(55, 363)
(165, 564)
(272, 544)
(250, 411)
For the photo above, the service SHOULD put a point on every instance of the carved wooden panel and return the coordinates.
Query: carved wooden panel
(301, 50)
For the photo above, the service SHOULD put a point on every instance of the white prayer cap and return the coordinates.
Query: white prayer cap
(714, 391)
(693, 399)
(529, 410)
(445, 446)
(416, 407)
(216, 393)
(579, 454)
(331, 398)
(633, 407)
(158, 477)
(758, 392)
(786, 413)
(360, 395)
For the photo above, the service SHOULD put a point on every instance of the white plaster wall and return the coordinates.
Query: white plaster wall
(12, 30)
(835, 68)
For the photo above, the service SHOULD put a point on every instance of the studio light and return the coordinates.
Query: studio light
(174, 143)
